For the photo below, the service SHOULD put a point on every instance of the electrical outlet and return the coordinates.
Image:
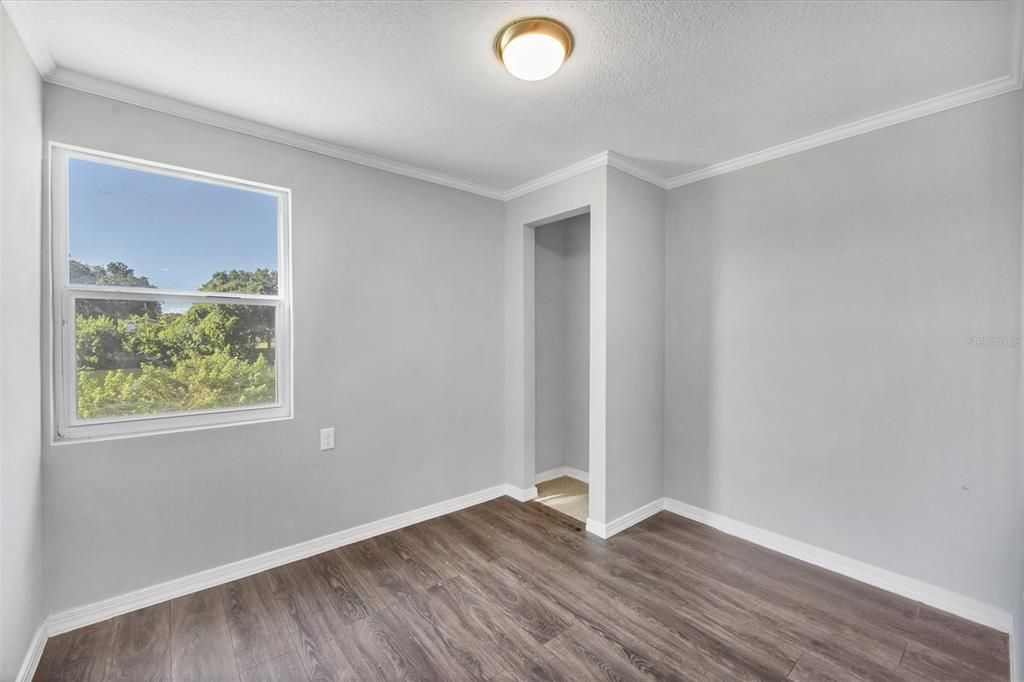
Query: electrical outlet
(327, 439)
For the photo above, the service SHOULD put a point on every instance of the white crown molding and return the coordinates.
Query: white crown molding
(148, 596)
(604, 159)
(974, 93)
(934, 105)
(166, 105)
(35, 651)
(25, 24)
(560, 175)
(626, 166)
(912, 588)
(27, 28)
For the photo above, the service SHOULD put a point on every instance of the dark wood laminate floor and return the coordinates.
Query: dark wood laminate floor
(509, 591)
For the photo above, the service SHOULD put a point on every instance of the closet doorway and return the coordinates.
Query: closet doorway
(562, 365)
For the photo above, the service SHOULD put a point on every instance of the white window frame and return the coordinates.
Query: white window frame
(66, 424)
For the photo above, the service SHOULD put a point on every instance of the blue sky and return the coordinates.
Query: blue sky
(173, 230)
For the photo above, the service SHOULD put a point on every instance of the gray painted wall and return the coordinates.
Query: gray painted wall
(636, 342)
(562, 290)
(398, 310)
(821, 382)
(21, 569)
(549, 349)
(577, 354)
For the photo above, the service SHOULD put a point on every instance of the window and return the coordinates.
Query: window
(171, 301)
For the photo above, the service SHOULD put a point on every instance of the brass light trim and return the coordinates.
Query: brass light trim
(541, 25)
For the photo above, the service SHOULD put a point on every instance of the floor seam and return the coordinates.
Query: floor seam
(902, 654)
(797, 661)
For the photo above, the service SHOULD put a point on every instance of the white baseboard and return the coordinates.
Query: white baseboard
(125, 603)
(558, 472)
(912, 588)
(521, 494)
(32, 656)
(940, 598)
(1014, 673)
(606, 530)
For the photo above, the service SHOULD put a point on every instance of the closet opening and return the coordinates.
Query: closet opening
(562, 365)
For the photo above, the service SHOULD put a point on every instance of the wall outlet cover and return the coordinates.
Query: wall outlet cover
(327, 439)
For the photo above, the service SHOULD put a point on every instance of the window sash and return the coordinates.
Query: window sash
(66, 424)
(157, 294)
(70, 342)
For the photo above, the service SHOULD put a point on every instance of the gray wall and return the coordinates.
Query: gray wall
(549, 346)
(821, 382)
(398, 300)
(636, 342)
(562, 290)
(577, 354)
(21, 591)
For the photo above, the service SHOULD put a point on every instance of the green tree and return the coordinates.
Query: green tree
(139, 360)
(155, 340)
(248, 329)
(114, 274)
(261, 281)
(99, 340)
(205, 382)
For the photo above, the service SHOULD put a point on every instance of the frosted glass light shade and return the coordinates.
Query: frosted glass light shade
(534, 49)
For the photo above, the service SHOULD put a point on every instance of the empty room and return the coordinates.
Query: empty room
(511, 340)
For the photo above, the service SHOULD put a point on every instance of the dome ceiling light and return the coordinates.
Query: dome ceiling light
(533, 49)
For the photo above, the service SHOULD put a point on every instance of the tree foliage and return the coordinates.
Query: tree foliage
(100, 342)
(197, 383)
(255, 324)
(137, 360)
(114, 274)
(261, 281)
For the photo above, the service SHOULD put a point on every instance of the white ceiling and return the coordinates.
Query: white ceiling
(672, 86)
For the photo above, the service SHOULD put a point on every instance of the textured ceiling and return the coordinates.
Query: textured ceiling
(673, 86)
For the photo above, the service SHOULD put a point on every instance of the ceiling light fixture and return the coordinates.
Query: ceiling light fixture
(533, 49)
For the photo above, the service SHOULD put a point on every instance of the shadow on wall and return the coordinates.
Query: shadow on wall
(562, 344)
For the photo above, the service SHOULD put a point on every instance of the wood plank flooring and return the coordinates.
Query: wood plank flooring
(510, 591)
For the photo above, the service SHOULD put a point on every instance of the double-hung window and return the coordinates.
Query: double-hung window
(171, 300)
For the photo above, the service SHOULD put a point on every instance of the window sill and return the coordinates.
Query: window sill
(160, 426)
